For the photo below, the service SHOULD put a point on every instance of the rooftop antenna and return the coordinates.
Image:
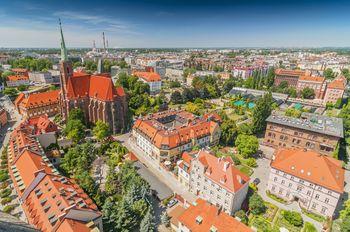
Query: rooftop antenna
(104, 41)
(107, 45)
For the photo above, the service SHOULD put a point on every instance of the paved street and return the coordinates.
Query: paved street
(13, 121)
(159, 172)
(262, 172)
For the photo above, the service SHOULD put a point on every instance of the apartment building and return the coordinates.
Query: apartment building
(314, 180)
(18, 80)
(214, 179)
(203, 216)
(290, 76)
(165, 135)
(152, 79)
(335, 90)
(311, 131)
(36, 104)
(20, 71)
(50, 201)
(318, 84)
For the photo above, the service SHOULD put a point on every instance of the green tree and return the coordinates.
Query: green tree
(260, 113)
(247, 145)
(329, 74)
(293, 218)
(308, 93)
(165, 219)
(174, 84)
(75, 130)
(256, 204)
(11, 92)
(292, 112)
(76, 114)
(101, 130)
(345, 224)
(270, 79)
(147, 223)
(176, 97)
(242, 215)
(228, 132)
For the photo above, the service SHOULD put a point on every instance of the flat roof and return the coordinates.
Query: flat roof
(257, 93)
(311, 122)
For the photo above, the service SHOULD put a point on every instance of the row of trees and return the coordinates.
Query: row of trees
(31, 64)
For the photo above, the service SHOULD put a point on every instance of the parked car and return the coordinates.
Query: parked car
(171, 203)
(256, 181)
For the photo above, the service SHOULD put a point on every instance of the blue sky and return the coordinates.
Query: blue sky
(168, 23)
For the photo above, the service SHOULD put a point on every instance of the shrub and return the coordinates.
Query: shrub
(4, 185)
(256, 204)
(294, 218)
(236, 160)
(8, 208)
(309, 227)
(6, 200)
(5, 193)
(241, 214)
(4, 177)
(251, 162)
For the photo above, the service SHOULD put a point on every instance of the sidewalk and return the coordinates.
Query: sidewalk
(164, 176)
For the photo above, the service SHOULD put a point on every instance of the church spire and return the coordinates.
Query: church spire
(64, 56)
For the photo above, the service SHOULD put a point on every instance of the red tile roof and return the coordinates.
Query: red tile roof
(38, 99)
(222, 171)
(337, 84)
(148, 76)
(210, 218)
(51, 202)
(311, 166)
(312, 79)
(96, 86)
(17, 78)
(290, 72)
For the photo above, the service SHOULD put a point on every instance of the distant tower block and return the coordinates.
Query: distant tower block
(93, 46)
(104, 41)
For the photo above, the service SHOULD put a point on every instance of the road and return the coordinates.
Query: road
(163, 175)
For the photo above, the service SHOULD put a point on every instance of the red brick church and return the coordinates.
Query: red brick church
(95, 95)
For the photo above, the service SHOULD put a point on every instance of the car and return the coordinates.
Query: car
(256, 181)
(171, 203)
(9, 129)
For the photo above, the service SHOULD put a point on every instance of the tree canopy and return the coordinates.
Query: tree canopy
(261, 112)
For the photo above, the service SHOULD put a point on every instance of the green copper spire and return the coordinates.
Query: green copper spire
(64, 56)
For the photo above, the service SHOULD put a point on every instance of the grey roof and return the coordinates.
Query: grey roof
(12, 224)
(311, 122)
(162, 190)
(257, 93)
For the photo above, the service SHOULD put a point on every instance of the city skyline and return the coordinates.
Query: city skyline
(176, 24)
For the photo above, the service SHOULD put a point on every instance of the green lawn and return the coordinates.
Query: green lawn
(245, 169)
(276, 198)
(270, 212)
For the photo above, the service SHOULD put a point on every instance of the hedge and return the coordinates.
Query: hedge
(8, 208)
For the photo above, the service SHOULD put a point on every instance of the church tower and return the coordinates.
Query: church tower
(66, 71)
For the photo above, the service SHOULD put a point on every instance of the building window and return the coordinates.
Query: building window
(326, 200)
(275, 179)
(308, 193)
(280, 191)
(282, 182)
(314, 205)
(290, 185)
(317, 196)
(323, 210)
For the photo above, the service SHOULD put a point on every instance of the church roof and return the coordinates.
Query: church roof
(98, 86)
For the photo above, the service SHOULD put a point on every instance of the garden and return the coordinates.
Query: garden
(5, 189)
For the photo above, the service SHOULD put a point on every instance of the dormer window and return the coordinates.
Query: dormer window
(199, 220)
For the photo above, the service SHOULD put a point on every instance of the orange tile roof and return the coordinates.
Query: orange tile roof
(290, 72)
(50, 201)
(210, 217)
(159, 134)
(42, 98)
(311, 166)
(97, 86)
(17, 78)
(230, 178)
(148, 76)
(337, 84)
(42, 124)
(19, 70)
(19, 99)
(312, 79)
